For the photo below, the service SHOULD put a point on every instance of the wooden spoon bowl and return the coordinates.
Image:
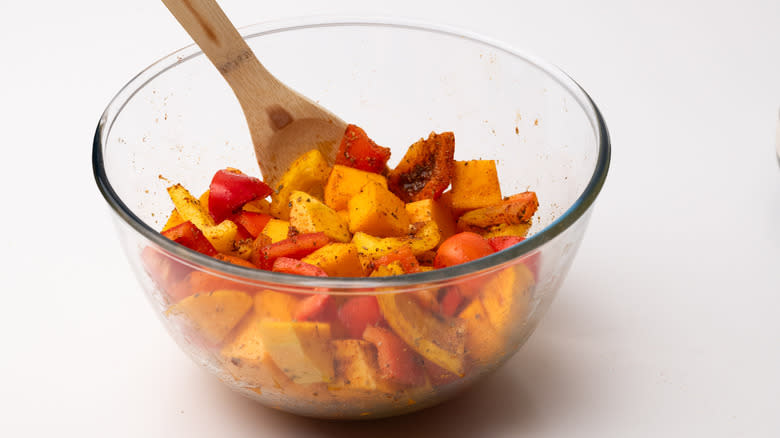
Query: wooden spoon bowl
(283, 123)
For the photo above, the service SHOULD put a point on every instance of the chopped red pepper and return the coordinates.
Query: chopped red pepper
(316, 308)
(287, 265)
(359, 151)
(450, 301)
(164, 271)
(503, 242)
(190, 236)
(358, 313)
(234, 260)
(252, 222)
(404, 256)
(499, 243)
(230, 189)
(397, 362)
(295, 247)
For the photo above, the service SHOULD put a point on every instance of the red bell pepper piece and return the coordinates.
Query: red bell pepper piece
(359, 151)
(190, 236)
(450, 301)
(404, 256)
(230, 189)
(316, 308)
(287, 265)
(295, 247)
(397, 361)
(166, 272)
(235, 260)
(252, 222)
(503, 242)
(358, 313)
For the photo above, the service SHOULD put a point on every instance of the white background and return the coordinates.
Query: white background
(668, 324)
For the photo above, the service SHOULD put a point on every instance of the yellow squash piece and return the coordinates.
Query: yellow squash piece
(310, 215)
(222, 236)
(370, 248)
(308, 173)
(506, 296)
(190, 208)
(300, 349)
(257, 206)
(356, 367)
(277, 230)
(345, 182)
(425, 239)
(429, 210)
(377, 211)
(173, 220)
(389, 270)
(337, 260)
(213, 315)
(483, 343)
(436, 338)
(278, 306)
(247, 359)
(475, 184)
(519, 230)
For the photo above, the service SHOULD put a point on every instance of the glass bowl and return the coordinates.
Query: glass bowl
(178, 122)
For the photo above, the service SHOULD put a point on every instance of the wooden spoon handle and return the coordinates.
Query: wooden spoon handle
(211, 29)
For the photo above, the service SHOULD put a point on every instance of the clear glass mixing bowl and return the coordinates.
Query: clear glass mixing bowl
(178, 122)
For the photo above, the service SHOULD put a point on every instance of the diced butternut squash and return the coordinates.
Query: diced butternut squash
(475, 184)
(337, 260)
(506, 296)
(376, 211)
(356, 367)
(436, 338)
(258, 206)
(277, 230)
(310, 215)
(308, 173)
(300, 349)
(429, 210)
(344, 214)
(213, 315)
(278, 306)
(483, 342)
(246, 358)
(345, 182)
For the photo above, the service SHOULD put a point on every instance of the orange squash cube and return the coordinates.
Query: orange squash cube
(378, 212)
(345, 182)
(475, 184)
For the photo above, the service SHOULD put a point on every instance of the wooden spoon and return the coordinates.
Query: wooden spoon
(283, 123)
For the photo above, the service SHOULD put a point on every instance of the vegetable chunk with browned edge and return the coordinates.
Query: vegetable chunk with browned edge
(425, 171)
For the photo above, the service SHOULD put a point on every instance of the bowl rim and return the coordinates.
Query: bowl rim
(409, 281)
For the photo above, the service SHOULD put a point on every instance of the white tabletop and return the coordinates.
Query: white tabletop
(668, 324)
